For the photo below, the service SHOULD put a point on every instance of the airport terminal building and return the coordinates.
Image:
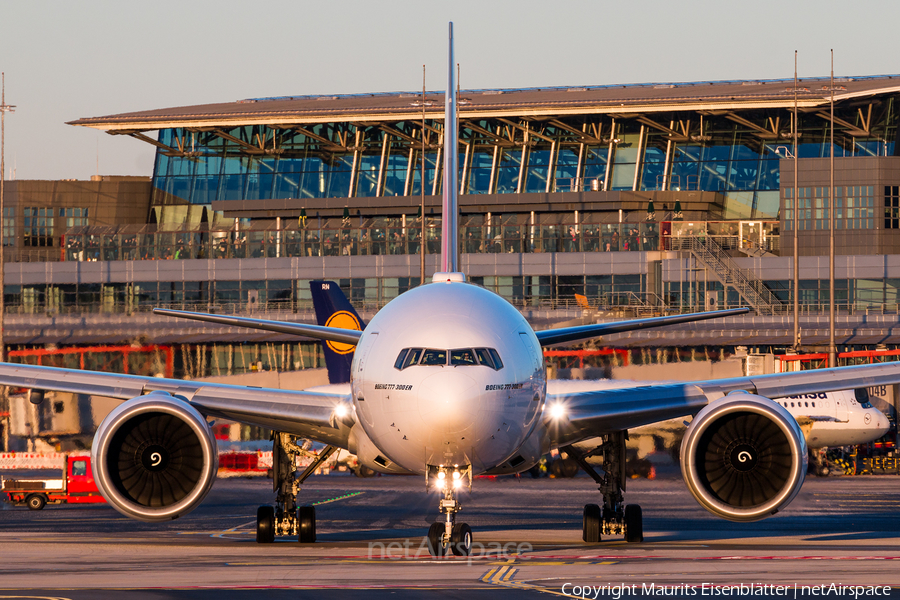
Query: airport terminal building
(577, 203)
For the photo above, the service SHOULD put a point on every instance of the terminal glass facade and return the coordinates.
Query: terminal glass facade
(737, 155)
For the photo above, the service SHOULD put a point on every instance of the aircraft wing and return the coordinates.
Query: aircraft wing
(598, 411)
(335, 334)
(548, 337)
(310, 414)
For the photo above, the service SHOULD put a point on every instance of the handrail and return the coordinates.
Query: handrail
(708, 251)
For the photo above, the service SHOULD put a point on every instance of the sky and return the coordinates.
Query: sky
(68, 60)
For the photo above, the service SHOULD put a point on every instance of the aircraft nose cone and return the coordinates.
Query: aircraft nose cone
(448, 401)
(880, 422)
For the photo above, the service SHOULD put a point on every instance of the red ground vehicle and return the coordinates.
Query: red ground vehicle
(75, 487)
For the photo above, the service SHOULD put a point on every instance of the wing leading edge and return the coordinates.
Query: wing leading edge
(548, 337)
(335, 334)
(590, 413)
(310, 414)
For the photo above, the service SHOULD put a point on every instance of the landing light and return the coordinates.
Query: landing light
(441, 475)
(341, 410)
(455, 475)
(557, 411)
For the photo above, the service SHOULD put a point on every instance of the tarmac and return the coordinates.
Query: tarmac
(837, 532)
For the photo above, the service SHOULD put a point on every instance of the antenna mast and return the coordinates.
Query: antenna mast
(450, 209)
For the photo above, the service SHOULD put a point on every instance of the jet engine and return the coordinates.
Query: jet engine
(743, 457)
(154, 457)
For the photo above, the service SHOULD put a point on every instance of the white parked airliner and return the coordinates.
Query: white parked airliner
(827, 419)
(448, 382)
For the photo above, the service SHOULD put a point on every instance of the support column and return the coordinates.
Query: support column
(610, 156)
(354, 172)
(551, 168)
(639, 161)
(382, 165)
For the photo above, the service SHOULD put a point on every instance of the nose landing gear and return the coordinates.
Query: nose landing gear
(449, 536)
(616, 517)
(286, 518)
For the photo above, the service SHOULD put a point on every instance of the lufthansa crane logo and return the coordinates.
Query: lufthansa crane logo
(342, 320)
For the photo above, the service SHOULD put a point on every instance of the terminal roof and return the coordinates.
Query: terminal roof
(535, 103)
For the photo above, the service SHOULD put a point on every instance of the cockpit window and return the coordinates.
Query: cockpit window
(459, 357)
(434, 357)
(398, 364)
(498, 364)
(484, 357)
(862, 396)
(412, 358)
(462, 356)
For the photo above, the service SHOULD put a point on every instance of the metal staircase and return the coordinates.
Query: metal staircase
(745, 282)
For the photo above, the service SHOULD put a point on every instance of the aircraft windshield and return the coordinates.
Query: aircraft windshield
(434, 357)
(464, 356)
(458, 357)
(862, 396)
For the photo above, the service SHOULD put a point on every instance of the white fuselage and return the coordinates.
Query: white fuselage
(445, 414)
(835, 419)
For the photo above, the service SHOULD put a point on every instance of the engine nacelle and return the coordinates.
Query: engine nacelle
(154, 457)
(743, 457)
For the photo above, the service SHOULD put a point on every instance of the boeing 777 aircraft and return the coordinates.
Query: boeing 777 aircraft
(447, 381)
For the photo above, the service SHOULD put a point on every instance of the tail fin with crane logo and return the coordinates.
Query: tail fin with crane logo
(333, 309)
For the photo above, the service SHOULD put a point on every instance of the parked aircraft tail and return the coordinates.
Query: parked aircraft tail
(333, 309)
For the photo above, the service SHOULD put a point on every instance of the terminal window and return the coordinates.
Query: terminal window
(9, 226)
(854, 207)
(892, 207)
(74, 217)
(38, 225)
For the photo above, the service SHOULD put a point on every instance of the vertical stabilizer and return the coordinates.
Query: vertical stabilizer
(333, 309)
(450, 208)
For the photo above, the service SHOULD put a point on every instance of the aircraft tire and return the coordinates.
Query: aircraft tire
(364, 471)
(436, 540)
(568, 468)
(265, 525)
(634, 524)
(591, 524)
(306, 519)
(461, 539)
(36, 501)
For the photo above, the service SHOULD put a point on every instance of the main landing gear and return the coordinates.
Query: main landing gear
(616, 517)
(286, 518)
(449, 536)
